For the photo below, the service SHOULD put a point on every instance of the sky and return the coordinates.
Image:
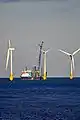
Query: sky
(26, 23)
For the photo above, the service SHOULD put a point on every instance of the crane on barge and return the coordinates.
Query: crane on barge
(40, 55)
(35, 73)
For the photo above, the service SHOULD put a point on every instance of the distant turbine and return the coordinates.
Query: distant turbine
(44, 63)
(72, 68)
(9, 53)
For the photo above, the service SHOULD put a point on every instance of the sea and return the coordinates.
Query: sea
(51, 99)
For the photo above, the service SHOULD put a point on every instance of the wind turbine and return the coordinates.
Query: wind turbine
(44, 63)
(71, 56)
(9, 54)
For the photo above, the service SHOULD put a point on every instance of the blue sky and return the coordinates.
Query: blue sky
(27, 23)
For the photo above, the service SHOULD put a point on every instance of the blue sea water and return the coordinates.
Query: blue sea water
(53, 99)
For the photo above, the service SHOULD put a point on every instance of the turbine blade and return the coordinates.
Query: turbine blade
(65, 52)
(43, 50)
(7, 59)
(9, 43)
(48, 50)
(11, 48)
(73, 62)
(76, 51)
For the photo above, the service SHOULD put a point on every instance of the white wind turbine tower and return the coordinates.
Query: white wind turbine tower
(9, 54)
(71, 56)
(44, 63)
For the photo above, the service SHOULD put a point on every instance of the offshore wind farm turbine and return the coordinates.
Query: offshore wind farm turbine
(71, 56)
(9, 54)
(44, 63)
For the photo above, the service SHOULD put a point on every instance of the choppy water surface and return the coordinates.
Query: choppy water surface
(54, 99)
